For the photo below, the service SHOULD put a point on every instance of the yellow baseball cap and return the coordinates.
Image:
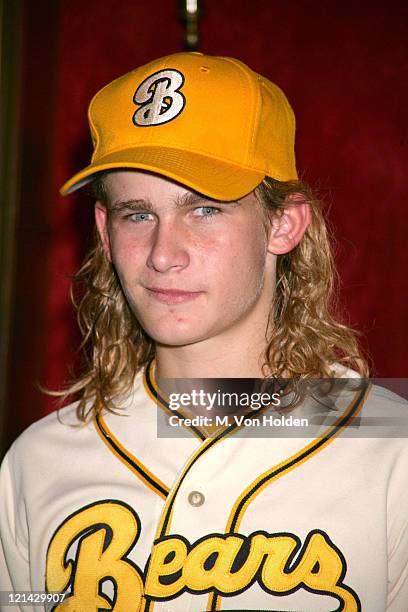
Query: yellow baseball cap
(208, 122)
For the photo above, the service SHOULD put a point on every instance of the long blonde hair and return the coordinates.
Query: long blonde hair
(306, 332)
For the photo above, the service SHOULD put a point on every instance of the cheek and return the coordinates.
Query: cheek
(127, 253)
(237, 260)
(127, 261)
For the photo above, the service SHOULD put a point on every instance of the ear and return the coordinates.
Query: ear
(288, 228)
(101, 220)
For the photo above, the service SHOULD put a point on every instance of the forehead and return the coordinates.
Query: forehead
(138, 183)
(124, 185)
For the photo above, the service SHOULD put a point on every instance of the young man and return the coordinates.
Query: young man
(212, 262)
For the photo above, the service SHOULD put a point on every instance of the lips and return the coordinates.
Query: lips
(172, 296)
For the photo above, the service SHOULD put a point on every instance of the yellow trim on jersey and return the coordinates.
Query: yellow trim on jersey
(160, 399)
(167, 514)
(165, 521)
(289, 464)
(295, 460)
(214, 602)
(137, 467)
(310, 450)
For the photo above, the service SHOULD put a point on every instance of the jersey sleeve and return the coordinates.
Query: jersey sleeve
(398, 535)
(14, 558)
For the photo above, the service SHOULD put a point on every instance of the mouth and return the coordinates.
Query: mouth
(172, 296)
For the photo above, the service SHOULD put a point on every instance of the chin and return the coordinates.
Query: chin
(173, 334)
(176, 338)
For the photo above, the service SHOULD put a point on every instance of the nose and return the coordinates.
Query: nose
(169, 247)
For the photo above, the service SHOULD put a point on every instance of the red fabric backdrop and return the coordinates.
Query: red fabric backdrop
(343, 67)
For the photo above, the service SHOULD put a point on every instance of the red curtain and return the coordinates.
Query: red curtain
(343, 67)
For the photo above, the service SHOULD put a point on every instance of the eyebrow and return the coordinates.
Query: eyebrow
(184, 201)
(140, 204)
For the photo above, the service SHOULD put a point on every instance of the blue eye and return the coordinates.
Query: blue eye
(139, 217)
(208, 211)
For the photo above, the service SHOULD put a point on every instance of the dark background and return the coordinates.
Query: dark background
(343, 67)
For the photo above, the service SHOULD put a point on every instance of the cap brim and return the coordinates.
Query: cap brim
(214, 178)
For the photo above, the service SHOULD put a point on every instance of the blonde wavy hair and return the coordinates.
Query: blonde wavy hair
(306, 332)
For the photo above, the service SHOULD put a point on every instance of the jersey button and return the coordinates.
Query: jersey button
(196, 498)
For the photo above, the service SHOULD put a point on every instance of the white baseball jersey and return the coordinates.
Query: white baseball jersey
(120, 519)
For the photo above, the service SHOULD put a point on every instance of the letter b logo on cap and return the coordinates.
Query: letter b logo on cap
(159, 98)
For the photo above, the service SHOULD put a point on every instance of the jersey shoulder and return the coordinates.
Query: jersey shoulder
(59, 438)
(386, 402)
(384, 418)
(44, 441)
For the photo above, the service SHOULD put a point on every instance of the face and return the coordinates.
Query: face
(192, 269)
